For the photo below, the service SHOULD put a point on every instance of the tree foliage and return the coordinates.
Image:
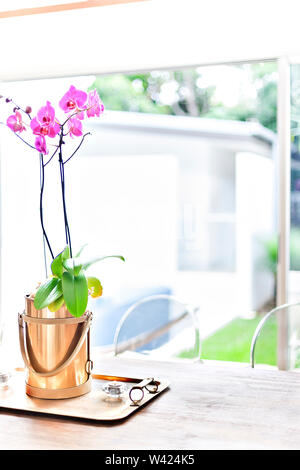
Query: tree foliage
(179, 92)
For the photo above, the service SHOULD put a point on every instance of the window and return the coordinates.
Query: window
(178, 176)
(294, 292)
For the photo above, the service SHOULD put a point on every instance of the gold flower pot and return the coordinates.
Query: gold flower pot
(56, 351)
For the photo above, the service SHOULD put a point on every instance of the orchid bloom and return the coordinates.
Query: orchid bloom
(75, 127)
(45, 122)
(95, 107)
(74, 100)
(40, 144)
(14, 122)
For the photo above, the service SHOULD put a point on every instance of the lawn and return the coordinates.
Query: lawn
(232, 342)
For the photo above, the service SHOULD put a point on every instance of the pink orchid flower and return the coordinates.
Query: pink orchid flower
(45, 122)
(74, 100)
(95, 107)
(75, 127)
(40, 144)
(14, 122)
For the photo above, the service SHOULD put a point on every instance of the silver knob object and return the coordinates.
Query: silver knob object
(114, 389)
(4, 378)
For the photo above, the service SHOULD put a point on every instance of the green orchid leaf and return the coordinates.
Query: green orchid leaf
(57, 263)
(95, 287)
(75, 265)
(66, 253)
(87, 264)
(72, 265)
(81, 250)
(54, 306)
(75, 292)
(48, 293)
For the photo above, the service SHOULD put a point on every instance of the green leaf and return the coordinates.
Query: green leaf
(66, 253)
(54, 306)
(87, 264)
(75, 292)
(48, 293)
(95, 287)
(57, 263)
(72, 265)
(80, 251)
(75, 265)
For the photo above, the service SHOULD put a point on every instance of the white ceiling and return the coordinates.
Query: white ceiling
(147, 35)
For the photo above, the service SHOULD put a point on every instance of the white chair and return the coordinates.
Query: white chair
(159, 327)
(265, 339)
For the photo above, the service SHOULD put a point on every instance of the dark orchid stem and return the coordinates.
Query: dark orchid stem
(21, 109)
(62, 179)
(29, 145)
(72, 115)
(26, 111)
(45, 257)
(44, 243)
(42, 177)
(51, 157)
(19, 137)
(83, 137)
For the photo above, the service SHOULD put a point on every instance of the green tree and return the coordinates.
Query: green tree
(146, 93)
(265, 80)
(127, 93)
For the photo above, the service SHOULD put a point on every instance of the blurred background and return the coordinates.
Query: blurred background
(179, 177)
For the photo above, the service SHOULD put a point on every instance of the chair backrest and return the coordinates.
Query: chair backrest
(285, 321)
(161, 327)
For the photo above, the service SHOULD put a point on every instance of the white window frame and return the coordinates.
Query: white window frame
(283, 164)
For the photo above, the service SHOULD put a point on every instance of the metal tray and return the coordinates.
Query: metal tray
(95, 405)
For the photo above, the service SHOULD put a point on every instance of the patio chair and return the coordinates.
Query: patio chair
(264, 343)
(159, 327)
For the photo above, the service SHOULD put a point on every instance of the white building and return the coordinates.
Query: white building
(188, 200)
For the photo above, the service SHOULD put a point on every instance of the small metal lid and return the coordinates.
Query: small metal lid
(114, 389)
(4, 378)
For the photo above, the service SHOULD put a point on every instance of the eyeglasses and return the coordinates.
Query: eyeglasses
(136, 393)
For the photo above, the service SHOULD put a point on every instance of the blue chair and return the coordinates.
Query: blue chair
(159, 327)
(107, 312)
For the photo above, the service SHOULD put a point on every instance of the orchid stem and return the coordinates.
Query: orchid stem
(29, 145)
(62, 179)
(42, 178)
(88, 133)
(44, 243)
(21, 109)
(51, 157)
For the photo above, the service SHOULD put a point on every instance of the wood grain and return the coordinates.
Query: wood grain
(62, 7)
(207, 407)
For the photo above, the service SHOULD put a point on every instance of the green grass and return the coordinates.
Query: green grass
(232, 342)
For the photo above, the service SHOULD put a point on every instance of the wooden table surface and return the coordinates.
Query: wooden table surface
(207, 407)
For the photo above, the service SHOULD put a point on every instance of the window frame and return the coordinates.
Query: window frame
(60, 7)
(283, 163)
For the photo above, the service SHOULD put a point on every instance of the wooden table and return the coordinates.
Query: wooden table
(206, 407)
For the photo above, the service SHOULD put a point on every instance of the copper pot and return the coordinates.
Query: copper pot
(56, 350)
